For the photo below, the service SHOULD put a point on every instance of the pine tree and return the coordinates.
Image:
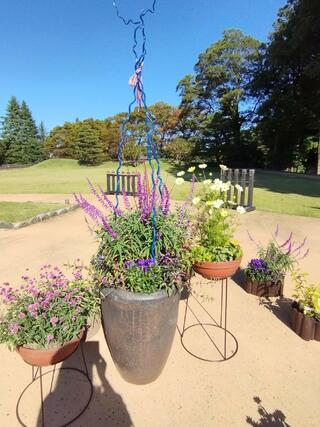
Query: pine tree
(89, 146)
(42, 132)
(2, 151)
(29, 136)
(11, 132)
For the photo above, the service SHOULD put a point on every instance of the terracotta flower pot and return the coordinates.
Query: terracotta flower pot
(49, 356)
(217, 270)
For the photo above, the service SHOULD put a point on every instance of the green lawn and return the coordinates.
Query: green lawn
(274, 192)
(15, 211)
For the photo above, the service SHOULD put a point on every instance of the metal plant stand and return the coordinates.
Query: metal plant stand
(223, 353)
(38, 374)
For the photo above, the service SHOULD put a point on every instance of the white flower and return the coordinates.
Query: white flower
(202, 166)
(224, 213)
(216, 186)
(210, 173)
(179, 181)
(241, 210)
(192, 169)
(181, 173)
(196, 200)
(225, 186)
(238, 187)
(207, 182)
(223, 168)
(218, 203)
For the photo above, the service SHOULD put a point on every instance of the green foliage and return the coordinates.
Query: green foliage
(48, 311)
(20, 134)
(135, 237)
(279, 259)
(179, 149)
(61, 142)
(89, 149)
(306, 294)
(133, 152)
(3, 150)
(216, 101)
(288, 84)
(228, 252)
(214, 222)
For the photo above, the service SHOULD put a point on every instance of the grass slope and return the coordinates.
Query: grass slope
(274, 192)
(15, 211)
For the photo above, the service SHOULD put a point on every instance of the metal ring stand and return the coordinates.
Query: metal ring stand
(221, 325)
(36, 377)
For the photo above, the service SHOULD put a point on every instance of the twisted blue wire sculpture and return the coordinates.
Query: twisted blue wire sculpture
(140, 100)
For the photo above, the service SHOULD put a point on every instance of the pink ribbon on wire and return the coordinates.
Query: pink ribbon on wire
(136, 81)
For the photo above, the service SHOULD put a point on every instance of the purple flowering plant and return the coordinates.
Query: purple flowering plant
(126, 233)
(49, 310)
(277, 257)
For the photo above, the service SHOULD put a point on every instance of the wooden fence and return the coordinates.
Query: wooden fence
(128, 182)
(244, 178)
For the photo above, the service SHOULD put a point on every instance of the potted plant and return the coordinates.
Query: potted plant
(264, 276)
(215, 253)
(141, 263)
(45, 319)
(305, 319)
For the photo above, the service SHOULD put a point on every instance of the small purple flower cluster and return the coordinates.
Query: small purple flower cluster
(259, 264)
(37, 297)
(144, 264)
(7, 293)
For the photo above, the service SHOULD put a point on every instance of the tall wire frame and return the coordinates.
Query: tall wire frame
(139, 99)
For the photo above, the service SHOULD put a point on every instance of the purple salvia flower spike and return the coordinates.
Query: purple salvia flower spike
(126, 199)
(287, 241)
(298, 248)
(305, 254)
(108, 228)
(109, 204)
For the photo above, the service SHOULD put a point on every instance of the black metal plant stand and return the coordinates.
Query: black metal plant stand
(223, 353)
(38, 374)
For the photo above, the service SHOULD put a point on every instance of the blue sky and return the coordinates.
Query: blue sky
(72, 58)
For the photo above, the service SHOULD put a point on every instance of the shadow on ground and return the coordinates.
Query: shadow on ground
(239, 277)
(281, 308)
(274, 419)
(71, 392)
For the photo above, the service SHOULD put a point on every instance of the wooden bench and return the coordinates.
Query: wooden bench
(245, 178)
(128, 182)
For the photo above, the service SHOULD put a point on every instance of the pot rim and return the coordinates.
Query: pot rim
(203, 264)
(127, 295)
(74, 339)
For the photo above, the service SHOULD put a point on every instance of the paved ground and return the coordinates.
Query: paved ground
(272, 366)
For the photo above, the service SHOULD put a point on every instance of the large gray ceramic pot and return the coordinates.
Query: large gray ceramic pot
(139, 330)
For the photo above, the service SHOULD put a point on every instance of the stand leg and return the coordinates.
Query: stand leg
(225, 318)
(52, 378)
(41, 396)
(84, 360)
